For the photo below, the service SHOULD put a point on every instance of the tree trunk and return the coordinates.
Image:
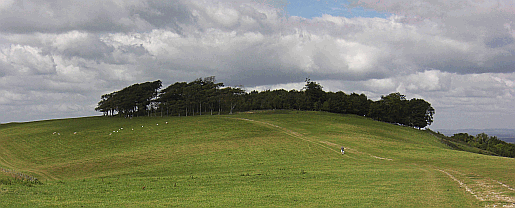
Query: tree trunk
(232, 107)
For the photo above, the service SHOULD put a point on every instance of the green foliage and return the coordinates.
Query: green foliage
(457, 142)
(136, 99)
(420, 113)
(204, 95)
(394, 108)
(481, 143)
(487, 143)
(340, 102)
(314, 94)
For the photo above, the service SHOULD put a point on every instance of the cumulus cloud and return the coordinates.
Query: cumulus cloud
(60, 56)
(461, 100)
(79, 44)
(26, 60)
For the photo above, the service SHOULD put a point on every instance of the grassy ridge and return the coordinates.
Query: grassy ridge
(281, 158)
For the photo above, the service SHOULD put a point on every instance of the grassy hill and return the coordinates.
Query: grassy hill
(260, 159)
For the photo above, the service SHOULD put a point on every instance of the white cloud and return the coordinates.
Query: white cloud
(381, 85)
(60, 57)
(69, 71)
(290, 86)
(427, 81)
(5, 4)
(26, 60)
(7, 97)
(227, 17)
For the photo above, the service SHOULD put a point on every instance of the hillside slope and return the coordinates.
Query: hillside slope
(268, 158)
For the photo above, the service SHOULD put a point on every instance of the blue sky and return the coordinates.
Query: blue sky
(317, 8)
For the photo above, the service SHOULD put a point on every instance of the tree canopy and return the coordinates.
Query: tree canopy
(204, 95)
(489, 143)
(133, 100)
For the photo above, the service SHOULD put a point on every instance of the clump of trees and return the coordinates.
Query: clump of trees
(204, 96)
(488, 143)
(181, 98)
(395, 108)
(137, 99)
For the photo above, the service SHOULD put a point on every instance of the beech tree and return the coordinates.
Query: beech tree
(203, 94)
(133, 100)
(420, 113)
(314, 94)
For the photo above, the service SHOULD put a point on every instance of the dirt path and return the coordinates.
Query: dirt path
(324, 144)
(495, 193)
(355, 151)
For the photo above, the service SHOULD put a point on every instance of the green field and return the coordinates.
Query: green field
(260, 159)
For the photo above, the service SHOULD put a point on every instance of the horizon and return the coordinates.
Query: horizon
(510, 138)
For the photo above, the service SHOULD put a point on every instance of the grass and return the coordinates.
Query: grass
(270, 158)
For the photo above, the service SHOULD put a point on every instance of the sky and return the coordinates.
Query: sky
(57, 57)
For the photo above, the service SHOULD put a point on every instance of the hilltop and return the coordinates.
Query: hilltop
(261, 158)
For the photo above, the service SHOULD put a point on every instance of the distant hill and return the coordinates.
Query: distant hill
(507, 135)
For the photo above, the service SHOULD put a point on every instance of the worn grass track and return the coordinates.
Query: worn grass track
(269, 158)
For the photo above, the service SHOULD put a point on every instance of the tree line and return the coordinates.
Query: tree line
(205, 96)
(488, 143)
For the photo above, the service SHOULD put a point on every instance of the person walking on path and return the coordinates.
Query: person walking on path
(343, 152)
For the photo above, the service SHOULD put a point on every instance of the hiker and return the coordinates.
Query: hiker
(343, 152)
